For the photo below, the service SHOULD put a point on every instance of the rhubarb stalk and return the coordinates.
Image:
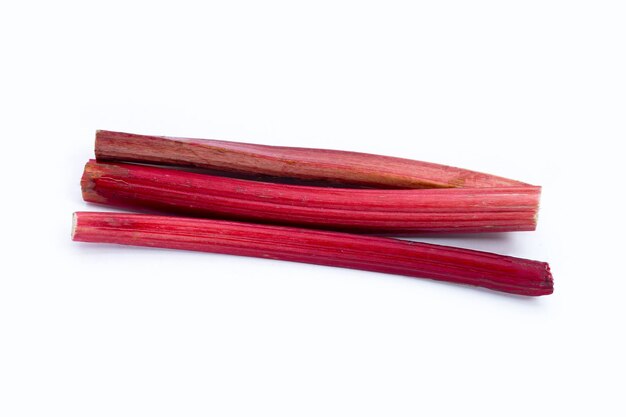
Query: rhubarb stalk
(463, 266)
(352, 168)
(400, 212)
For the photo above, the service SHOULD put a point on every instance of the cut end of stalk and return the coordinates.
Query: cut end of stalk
(74, 224)
(538, 206)
(91, 174)
(548, 282)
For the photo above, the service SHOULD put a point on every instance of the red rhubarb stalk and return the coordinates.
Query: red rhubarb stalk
(358, 210)
(354, 168)
(392, 256)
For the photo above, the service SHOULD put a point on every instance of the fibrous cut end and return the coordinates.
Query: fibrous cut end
(74, 224)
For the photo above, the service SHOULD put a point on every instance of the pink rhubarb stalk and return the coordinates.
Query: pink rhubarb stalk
(359, 210)
(302, 163)
(463, 266)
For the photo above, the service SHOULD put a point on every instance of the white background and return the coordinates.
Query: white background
(530, 90)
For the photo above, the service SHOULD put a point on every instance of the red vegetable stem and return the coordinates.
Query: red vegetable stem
(358, 210)
(463, 266)
(302, 163)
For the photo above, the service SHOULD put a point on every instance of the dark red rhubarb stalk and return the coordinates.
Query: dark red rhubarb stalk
(374, 211)
(302, 163)
(463, 266)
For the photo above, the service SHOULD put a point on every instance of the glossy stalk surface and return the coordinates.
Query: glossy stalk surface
(392, 256)
(343, 167)
(399, 212)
